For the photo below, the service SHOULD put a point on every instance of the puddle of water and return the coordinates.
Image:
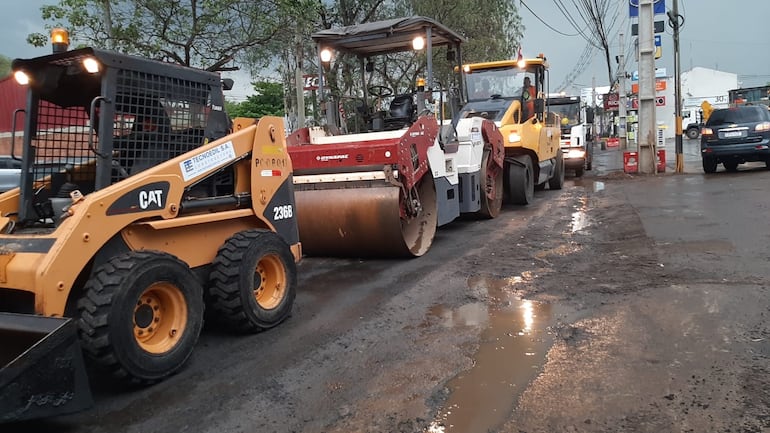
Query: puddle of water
(511, 353)
(580, 218)
(598, 186)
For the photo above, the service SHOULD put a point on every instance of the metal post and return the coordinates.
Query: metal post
(677, 90)
(648, 136)
(622, 93)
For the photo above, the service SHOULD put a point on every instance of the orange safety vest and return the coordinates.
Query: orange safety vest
(528, 97)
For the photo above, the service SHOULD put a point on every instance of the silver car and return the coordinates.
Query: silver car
(10, 172)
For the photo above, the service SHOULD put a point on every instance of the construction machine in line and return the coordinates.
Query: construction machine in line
(140, 202)
(533, 156)
(577, 131)
(383, 189)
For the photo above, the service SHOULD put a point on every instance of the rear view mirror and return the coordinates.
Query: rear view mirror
(369, 67)
(450, 55)
(227, 83)
(589, 115)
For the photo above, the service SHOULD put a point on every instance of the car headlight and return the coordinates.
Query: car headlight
(764, 126)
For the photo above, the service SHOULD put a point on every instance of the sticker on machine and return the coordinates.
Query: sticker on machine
(208, 160)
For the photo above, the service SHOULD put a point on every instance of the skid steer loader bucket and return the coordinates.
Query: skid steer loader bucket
(42, 373)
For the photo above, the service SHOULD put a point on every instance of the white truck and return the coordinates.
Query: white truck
(577, 133)
(695, 111)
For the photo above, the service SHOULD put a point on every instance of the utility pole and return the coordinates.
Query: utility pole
(648, 136)
(674, 21)
(622, 93)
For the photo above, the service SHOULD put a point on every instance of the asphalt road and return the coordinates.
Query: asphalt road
(620, 303)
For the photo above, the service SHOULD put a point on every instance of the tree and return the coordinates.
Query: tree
(493, 29)
(268, 101)
(210, 34)
(5, 66)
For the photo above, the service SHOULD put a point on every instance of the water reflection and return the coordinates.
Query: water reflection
(580, 218)
(512, 349)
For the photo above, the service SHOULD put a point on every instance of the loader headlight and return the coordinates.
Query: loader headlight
(91, 65)
(21, 77)
(514, 137)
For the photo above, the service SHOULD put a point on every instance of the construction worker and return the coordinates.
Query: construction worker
(528, 99)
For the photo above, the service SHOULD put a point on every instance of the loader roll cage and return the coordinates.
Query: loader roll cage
(95, 117)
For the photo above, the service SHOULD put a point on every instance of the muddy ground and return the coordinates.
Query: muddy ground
(620, 303)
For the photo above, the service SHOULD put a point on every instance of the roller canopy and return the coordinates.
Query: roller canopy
(388, 36)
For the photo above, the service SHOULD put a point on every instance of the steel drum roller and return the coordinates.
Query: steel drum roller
(365, 222)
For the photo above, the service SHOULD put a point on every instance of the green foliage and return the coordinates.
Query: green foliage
(209, 34)
(492, 28)
(5, 66)
(267, 102)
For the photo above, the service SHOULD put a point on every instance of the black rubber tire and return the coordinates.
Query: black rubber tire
(234, 284)
(557, 181)
(709, 165)
(693, 133)
(490, 208)
(730, 165)
(521, 181)
(109, 313)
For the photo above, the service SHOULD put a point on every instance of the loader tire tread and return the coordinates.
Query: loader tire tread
(97, 304)
(229, 296)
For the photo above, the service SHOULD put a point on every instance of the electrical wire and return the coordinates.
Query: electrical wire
(542, 21)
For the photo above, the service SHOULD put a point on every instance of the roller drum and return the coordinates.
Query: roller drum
(365, 222)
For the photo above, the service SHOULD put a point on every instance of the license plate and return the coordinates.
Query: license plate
(729, 134)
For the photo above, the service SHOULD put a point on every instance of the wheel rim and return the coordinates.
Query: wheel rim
(269, 282)
(160, 317)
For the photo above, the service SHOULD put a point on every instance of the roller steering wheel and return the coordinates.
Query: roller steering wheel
(380, 91)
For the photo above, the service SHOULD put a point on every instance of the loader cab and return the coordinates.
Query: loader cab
(507, 91)
(108, 116)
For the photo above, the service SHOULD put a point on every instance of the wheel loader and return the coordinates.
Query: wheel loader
(379, 185)
(533, 157)
(140, 202)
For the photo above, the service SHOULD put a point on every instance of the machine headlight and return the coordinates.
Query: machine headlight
(514, 137)
(21, 77)
(576, 153)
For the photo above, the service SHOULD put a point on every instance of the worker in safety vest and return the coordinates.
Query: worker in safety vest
(528, 99)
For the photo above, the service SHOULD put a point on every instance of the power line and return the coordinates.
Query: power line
(545, 23)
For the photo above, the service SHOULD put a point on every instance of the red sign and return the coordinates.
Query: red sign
(660, 101)
(611, 101)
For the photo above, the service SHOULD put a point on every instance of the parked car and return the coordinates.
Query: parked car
(734, 136)
(10, 173)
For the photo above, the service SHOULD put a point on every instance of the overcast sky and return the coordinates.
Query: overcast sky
(730, 36)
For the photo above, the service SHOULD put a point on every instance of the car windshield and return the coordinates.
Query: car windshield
(736, 115)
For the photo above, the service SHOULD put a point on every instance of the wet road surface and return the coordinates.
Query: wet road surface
(620, 303)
